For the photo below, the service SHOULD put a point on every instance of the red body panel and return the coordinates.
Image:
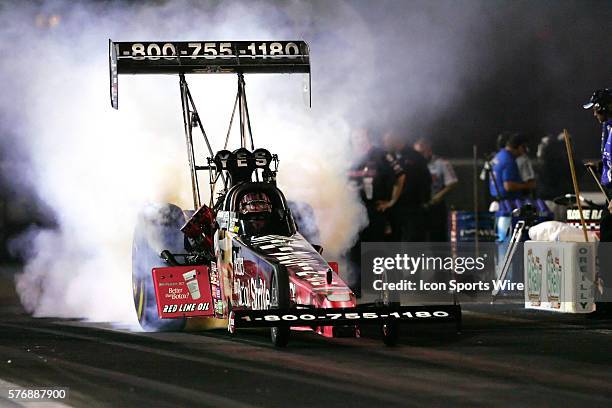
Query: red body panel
(183, 291)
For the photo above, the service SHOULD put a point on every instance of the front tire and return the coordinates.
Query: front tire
(390, 333)
(279, 299)
(158, 228)
(390, 328)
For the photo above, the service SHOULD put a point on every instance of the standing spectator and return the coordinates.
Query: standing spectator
(601, 104)
(487, 169)
(443, 180)
(507, 182)
(524, 163)
(411, 190)
(372, 175)
(554, 179)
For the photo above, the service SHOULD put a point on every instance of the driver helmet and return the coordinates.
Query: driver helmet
(255, 203)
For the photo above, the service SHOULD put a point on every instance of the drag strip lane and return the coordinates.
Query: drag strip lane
(177, 392)
(274, 377)
(332, 372)
(429, 372)
(510, 369)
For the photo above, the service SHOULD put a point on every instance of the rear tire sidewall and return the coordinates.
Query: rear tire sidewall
(279, 299)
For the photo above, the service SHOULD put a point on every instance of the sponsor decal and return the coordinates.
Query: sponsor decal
(573, 214)
(534, 278)
(182, 291)
(553, 277)
(214, 274)
(252, 294)
(330, 317)
(218, 307)
(585, 285)
(272, 317)
(239, 266)
(192, 284)
(176, 294)
(215, 291)
(186, 307)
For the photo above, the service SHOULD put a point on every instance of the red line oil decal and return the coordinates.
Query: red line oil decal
(182, 291)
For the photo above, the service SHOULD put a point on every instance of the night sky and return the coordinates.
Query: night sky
(527, 66)
(458, 72)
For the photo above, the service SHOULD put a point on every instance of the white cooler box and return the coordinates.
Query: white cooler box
(559, 276)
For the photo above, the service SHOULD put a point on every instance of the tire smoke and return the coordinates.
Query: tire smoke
(378, 64)
(96, 167)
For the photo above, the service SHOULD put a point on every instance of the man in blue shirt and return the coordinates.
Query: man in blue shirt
(505, 181)
(601, 104)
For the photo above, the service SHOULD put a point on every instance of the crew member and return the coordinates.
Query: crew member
(553, 178)
(524, 164)
(506, 182)
(443, 180)
(601, 104)
(371, 174)
(411, 190)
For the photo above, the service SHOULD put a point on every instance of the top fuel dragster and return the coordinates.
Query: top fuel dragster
(241, 257)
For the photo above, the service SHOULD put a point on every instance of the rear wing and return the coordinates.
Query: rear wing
(200, 57)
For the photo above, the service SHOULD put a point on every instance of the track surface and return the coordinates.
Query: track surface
(504, 357)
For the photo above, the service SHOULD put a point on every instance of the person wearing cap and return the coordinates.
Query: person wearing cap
(443, 180)
(601, 104)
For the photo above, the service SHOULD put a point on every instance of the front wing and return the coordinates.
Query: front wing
(346, 316)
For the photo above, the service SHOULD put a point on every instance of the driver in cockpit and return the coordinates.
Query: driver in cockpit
(255, 212)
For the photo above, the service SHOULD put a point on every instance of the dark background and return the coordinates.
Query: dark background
(523, 66)
(528, 67)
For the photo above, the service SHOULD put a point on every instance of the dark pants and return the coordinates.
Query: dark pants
(409, 225)
(605, 263)
(606, 227)
(438, 222)
(373, 232)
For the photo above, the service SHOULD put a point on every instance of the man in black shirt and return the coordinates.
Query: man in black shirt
(411, 190)
(372, 176)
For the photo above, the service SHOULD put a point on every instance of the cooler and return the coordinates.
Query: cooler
(560, 276)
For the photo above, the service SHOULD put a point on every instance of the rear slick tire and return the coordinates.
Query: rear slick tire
(158, 228)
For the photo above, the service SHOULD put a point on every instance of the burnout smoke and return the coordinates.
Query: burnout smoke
(96, 167)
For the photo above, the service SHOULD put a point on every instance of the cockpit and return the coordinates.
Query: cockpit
(261, 209)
